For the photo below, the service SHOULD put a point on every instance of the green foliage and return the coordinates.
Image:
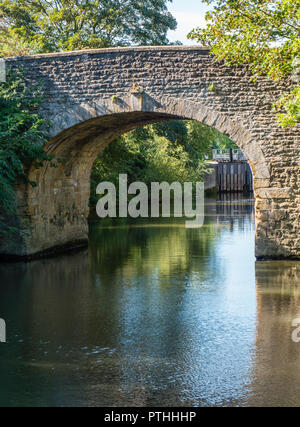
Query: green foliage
(261, 33)
(21, 138)
(55, 25)
(11, 44)
(202, 139)
(168, 151)
(291, 104)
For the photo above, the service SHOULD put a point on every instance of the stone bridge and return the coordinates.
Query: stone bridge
(93, 96)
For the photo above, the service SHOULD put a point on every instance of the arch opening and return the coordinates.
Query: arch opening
(54, 213)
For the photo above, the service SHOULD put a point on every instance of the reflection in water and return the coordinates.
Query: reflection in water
(153, 314)
(276, 379)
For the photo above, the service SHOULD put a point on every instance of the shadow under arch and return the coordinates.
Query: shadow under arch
(58, 204)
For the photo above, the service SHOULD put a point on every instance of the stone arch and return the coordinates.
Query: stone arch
(57, 207)
(92, 95)
(89, 127)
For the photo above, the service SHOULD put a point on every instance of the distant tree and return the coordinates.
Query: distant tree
(168, 151)
(261, 33)
(57, 25)
(10, 43)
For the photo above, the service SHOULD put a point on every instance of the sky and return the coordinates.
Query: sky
(189, 14)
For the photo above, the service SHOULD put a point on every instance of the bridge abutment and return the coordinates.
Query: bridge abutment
(44, 231)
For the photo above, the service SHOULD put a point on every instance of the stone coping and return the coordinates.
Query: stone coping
(203, 49)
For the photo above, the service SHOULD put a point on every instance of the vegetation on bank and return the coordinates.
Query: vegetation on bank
(21, 139)
(264, 34)
(163, 152)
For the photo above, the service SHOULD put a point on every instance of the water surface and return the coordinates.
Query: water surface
(153, 314)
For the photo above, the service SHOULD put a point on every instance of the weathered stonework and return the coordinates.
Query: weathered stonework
(93, 96)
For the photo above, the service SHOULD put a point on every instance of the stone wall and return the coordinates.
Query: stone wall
(94, 95)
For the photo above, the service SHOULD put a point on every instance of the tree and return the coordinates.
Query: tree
(168, 151)
(10, 43)
(56, 25)
(261, 33)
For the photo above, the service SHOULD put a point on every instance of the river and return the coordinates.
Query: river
(153, 314)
